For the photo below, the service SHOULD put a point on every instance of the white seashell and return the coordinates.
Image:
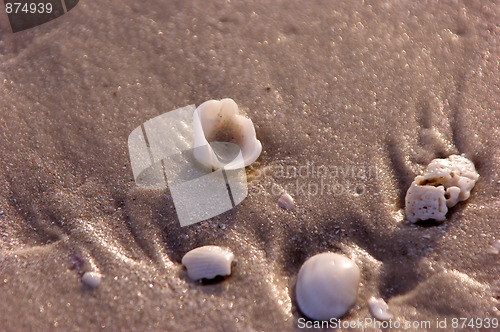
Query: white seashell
(207, 262)
(286, 202)
(379, 309)
(220, 121)
(327, 286)
(92, 279)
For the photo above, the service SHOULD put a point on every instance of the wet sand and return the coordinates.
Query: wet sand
(372, 91)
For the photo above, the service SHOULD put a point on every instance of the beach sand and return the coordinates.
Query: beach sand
(370, 90)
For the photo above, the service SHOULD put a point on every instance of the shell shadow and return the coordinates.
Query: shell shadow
(178, 240)
(216, 286)
(401, 171)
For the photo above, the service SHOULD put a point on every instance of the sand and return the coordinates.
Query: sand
(370, 90)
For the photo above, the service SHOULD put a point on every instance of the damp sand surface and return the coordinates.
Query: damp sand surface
(370, 90)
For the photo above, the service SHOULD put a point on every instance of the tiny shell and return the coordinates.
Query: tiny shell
(92, 279)
(207, 262)
(379, 309)
(492, 250)
(220, 121)
(495, 248)
(286, 202)
(327, 286)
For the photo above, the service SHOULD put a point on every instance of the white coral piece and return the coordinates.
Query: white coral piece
(425, 202)
(445, 183)
(454, 171)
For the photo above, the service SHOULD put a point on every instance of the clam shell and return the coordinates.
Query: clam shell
(207, 262)
(220, 121)
(327, 286)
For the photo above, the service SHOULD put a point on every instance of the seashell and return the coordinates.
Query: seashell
(92, 279)
(286, 202)
(207, 262)
(220, 121)
(379, 309)
(327, 286)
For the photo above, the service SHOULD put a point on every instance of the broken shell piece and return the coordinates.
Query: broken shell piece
(220, 121)
(379, 309)
(448, 180)
(207, 262)
(327, 286)
(92, 279)
(286, 202)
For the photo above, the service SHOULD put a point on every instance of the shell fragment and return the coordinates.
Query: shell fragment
(207, 262)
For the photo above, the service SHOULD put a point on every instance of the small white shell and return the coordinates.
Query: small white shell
(286, 202)
(327, 286)
(220, 121)
(92, 279)
(207, 262)
(379, 309)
